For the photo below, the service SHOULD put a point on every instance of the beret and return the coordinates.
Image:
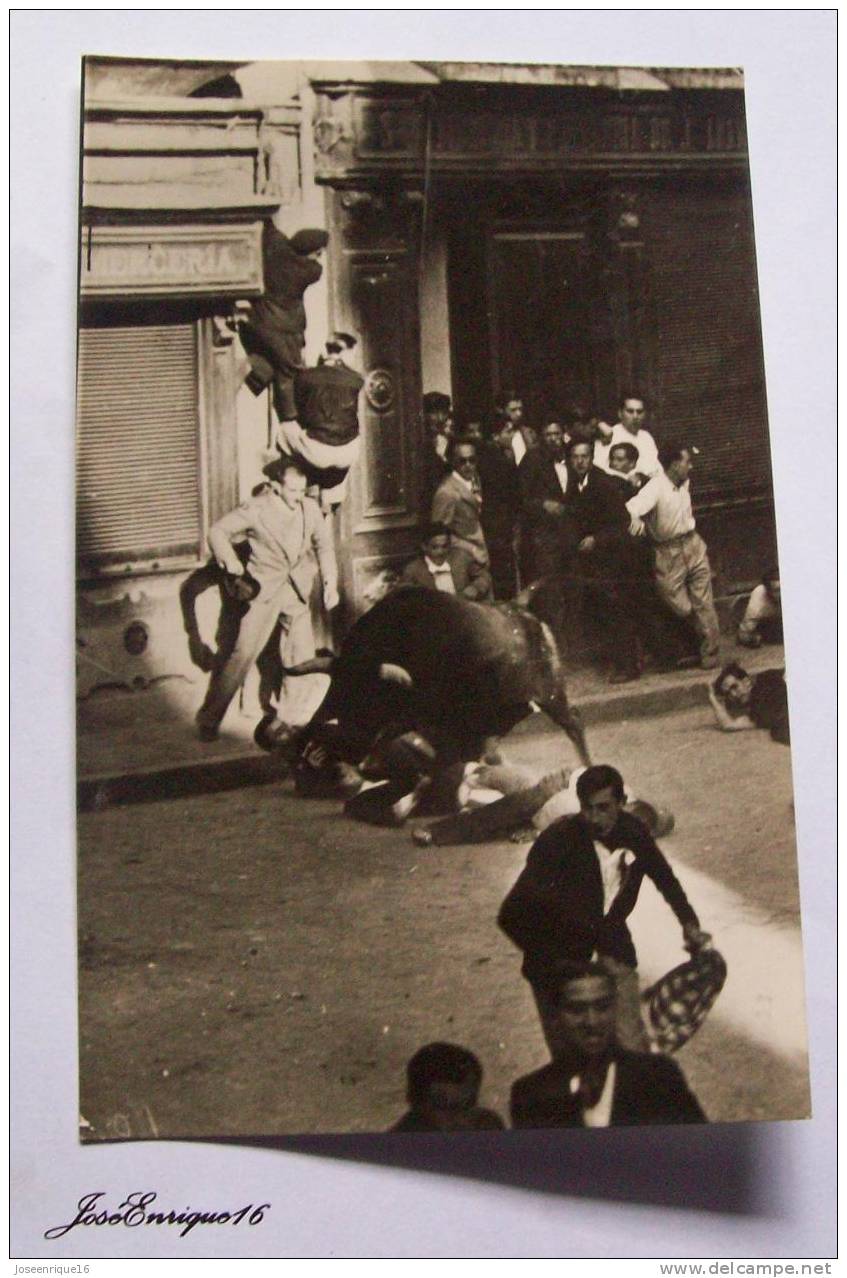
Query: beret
(309, 240)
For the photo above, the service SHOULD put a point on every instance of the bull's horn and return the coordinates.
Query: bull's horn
(395, 674)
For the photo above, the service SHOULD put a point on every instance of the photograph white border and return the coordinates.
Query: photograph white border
(333, 1207)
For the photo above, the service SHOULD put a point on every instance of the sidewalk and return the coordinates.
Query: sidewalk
(135, 747)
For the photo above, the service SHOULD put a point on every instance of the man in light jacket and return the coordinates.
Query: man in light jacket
(289, 541)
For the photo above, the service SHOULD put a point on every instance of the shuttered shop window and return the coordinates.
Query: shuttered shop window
(138, 461)
(710, 376)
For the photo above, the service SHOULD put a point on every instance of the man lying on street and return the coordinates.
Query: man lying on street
(571, 902)
(592, 1081)
(740, 700)
(495, 801)
(443, 1083)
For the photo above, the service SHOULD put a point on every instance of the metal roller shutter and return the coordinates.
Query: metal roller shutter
(138, 444)
(710, 383)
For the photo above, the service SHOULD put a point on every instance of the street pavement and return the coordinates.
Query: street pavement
(252, 963)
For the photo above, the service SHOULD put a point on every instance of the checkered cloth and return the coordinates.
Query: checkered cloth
(677, 1005)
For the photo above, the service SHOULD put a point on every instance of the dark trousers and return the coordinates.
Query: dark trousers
(559, 602)
(614, 604)
(504, 570)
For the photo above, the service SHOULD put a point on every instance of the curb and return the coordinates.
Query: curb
(209, 776)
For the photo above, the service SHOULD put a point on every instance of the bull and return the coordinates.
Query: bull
(460, 674)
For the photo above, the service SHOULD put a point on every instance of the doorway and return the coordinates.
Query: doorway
(529, 310)
(539, 319)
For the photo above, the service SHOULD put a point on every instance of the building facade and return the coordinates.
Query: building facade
(563, 232)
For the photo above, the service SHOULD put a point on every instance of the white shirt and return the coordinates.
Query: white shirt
(518, 447)
(612, 865)
(562, 474)
(442, 575)
(470, 485)
(665, 508)
(648, 456)
(599, 1115)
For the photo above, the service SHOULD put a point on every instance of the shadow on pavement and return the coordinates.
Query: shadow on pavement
(713, 1168)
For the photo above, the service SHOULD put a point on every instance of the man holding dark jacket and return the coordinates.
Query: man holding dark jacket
(572, 900)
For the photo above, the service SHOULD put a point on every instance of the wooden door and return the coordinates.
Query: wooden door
(540, 304)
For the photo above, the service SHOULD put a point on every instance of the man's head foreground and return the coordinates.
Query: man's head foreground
(510, 407)
(553, 440)
(587, 1012)
(435, 542)
(462, 458)
(633, 411)
(442, 1076)
(437, 408)
(581, 457)
(734, 685)
(677, 462)
(623, 458)
(601, 795)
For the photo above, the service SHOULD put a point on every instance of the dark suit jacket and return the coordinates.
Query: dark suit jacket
(472, 580)
(554, 912)
(476, 1119)
(599, 511)
(501, 493)
(648, 1089)
(539, 483)
(769, 704)
(435, 470)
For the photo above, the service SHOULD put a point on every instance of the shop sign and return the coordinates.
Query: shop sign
(120, 261)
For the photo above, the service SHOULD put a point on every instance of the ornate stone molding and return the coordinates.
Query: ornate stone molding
(361, 131)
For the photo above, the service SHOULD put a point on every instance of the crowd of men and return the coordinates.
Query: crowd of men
(581, 519)
(594, 518)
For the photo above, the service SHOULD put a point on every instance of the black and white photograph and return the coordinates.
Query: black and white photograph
(423, 460)
(433, 743)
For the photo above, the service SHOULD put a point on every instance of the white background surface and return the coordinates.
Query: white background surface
(338, 1207)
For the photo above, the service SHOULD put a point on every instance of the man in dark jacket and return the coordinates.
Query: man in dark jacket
(443, 1082)
(605, 557)
(548, 527)
(325, 437)
(579, 886)
(741, 700)
(592, 1081)
(437, 432)
(501, 506)
(275, 332)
